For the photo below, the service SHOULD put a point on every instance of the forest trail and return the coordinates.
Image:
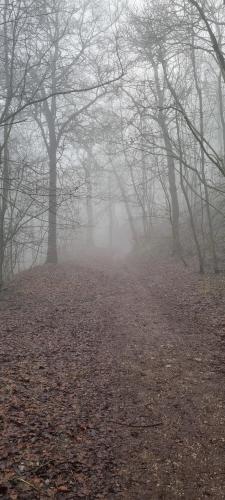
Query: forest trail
(112, 385)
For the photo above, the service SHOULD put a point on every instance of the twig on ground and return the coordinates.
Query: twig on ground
(156, 424)
(27, 483)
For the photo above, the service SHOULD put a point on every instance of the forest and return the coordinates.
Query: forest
(112, 249)
(113, 116)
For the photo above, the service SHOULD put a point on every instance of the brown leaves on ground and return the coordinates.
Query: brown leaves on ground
(112, 383)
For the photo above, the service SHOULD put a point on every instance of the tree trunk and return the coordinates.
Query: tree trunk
(2, 220)
(4, 160)
(111, 213)
(201, 123)
(89, 207)
(52, 256)
(127, 207)
(192, 222)
(177, 248)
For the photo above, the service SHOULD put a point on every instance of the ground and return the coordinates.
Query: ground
(112, 383)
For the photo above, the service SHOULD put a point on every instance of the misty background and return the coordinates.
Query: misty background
(112, 130)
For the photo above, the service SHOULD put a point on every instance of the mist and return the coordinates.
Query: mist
(112, 249)
(112, 131)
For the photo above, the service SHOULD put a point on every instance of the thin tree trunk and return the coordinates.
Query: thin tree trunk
(201, 122)
(52, 256)
(177, 248)
(89, 207)
(192, 223)
(111, 214)
(4, 160)
(221, 111)
(127, 207)
(4, 203)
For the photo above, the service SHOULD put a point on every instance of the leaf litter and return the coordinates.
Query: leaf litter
(112, 383)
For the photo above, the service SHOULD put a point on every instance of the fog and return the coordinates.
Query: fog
(112, 249)
(112, 130)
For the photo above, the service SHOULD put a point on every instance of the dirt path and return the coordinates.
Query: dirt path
(109, 388)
